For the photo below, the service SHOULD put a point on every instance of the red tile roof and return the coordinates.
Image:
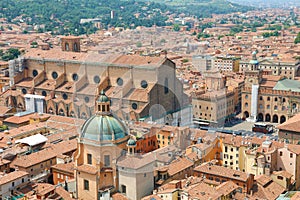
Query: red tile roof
(6, 178)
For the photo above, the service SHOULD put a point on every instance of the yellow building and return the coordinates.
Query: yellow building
(233, 152)
(207, 148)
(226, 64)
(165, 136)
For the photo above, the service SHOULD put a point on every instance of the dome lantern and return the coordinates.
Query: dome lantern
(102, 103)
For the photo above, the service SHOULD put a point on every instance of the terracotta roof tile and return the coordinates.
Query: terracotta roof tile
(152, 197)
(296, 196)
(19, 119)
(291, 124)
(263, 179)
(179, 165)
(222, 171)
(44, 188)
(283, 173)
(65, 167)
(65, 195)
(46, 154)
(12, 176)
(294, 148)
(87, 169)
(119, 196)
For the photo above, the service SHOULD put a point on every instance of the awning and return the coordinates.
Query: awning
(33, 140)
(203, 123)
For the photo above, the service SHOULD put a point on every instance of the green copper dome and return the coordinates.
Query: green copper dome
(102, 98)
(131, 142)
(103, 128)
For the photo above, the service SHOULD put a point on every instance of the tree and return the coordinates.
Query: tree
(34, 44)
(11, 54)
(176, 27)
(204, 35)
(297, 39)
(139, 44)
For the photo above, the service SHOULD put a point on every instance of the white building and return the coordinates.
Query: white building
(9, 182)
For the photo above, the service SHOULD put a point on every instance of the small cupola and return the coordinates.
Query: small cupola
(131, 145)
(102, 103)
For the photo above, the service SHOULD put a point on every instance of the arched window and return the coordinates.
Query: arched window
(75, 47)
(67, 47)
(61, 112)
(166, 86)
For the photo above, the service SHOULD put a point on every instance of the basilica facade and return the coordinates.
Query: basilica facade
(140, 87)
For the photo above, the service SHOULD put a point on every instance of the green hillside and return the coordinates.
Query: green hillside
(63, 16)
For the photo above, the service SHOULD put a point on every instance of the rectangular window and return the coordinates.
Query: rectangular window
(225, 149)
(291, 155)
(106, 160)
(280, 177)
(280, 153)
(89, 158)
(58, 175)
(86, 185)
